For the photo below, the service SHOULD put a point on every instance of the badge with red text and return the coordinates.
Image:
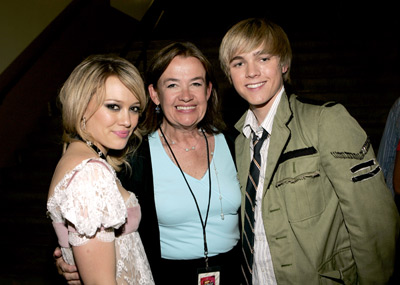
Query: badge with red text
(210, 276)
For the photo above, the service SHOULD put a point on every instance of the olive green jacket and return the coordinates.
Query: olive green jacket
(328, 216)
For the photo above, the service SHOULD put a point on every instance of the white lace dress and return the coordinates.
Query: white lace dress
(87, 204)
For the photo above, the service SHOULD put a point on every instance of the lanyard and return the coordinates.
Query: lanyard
(203, 223)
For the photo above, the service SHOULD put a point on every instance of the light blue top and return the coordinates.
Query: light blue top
(181, 232)
(390, 139)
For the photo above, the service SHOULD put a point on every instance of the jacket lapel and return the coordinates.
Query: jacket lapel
(279, 138)
(242, 151)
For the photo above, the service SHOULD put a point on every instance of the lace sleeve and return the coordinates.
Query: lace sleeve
(91, 201)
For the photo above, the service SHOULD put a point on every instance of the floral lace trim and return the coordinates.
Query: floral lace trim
(104, 235)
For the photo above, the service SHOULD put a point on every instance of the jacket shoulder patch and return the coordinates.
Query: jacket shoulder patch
(352, 155)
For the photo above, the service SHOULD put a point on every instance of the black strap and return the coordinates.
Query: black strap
(203, 223)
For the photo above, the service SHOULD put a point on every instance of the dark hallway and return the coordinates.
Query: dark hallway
(348, 54)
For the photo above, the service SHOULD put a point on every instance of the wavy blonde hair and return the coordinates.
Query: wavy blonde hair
(88, 79)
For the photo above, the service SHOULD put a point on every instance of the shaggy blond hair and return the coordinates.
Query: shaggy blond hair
(251, 34)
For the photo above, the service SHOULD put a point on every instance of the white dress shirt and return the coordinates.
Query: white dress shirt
(263, 270)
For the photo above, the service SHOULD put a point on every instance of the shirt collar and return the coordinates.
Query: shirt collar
(251, 124)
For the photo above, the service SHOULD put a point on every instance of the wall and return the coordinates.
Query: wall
(21, 21)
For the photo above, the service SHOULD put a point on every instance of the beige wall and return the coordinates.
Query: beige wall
(21, 21)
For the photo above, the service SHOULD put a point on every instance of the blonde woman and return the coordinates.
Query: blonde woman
(94, 217)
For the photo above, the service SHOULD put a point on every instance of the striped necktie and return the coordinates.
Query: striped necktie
(251, 188)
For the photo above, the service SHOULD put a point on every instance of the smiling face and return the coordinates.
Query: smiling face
(113, 122)
(182, 92)
(257, 77)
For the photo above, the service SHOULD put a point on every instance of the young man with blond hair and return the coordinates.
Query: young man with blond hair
(319, 211)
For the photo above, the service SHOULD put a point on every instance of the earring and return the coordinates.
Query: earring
(158, 109)
(84, 123)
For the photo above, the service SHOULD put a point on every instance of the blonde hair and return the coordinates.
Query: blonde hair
(250, 34)
(88, 79)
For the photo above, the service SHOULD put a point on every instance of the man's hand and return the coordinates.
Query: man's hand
(69, 272)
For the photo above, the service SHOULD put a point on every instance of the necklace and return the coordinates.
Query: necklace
(219, 190)
(174, 142)
(96, 149)
(203, 223)
(92, 146)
